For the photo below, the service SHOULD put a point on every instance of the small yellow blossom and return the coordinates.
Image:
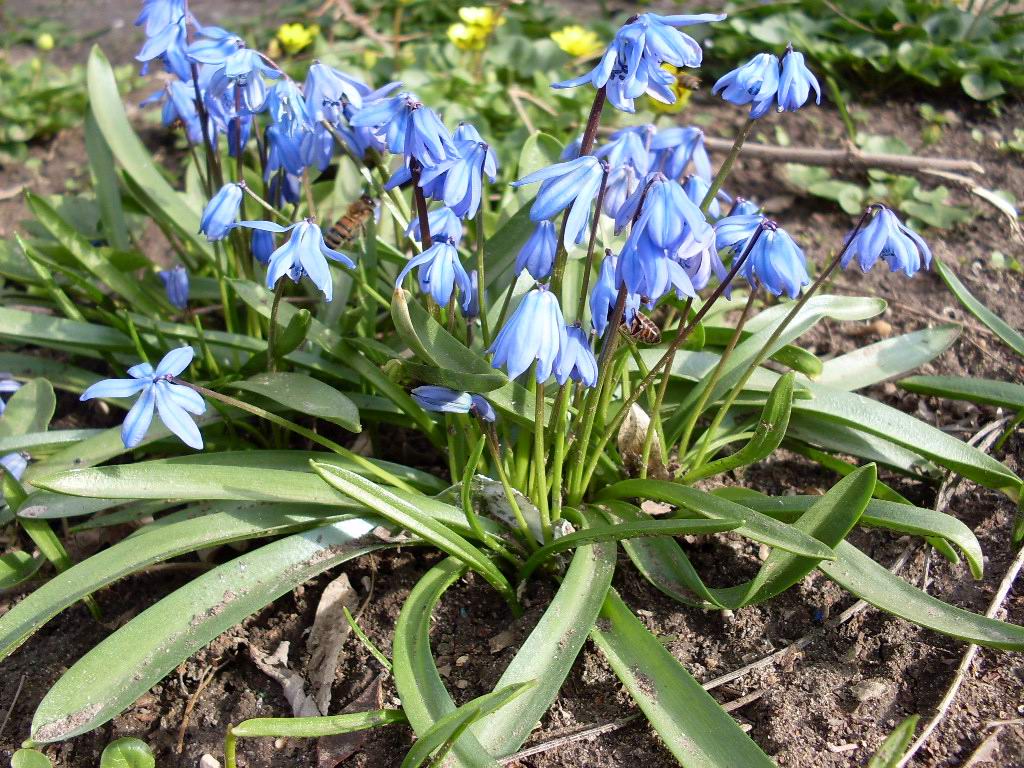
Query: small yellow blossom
(294, 37)
(679, 88)
(482, 17)
(45, 42)
(577, 41)
(467, 37)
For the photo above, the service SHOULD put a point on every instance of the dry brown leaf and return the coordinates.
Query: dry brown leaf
(275, 666)
(326, 638)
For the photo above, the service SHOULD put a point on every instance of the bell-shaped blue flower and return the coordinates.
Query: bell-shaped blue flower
(734, 231)
(409, 128)
(173, 402)
(445, 400)
(327, 90)
(460, 179)
(537, 255)
(660, 211)
(696, 188)
(304, 253)
(176, 285)
(574, 185)
(755, 83)
(157, 14)
(169, 43)
(286, 102)
(628, 146)
(14, 463)
(8, 386)
(262, 245)
(776, 262)
(443, 222)
(796, 82)
(576, 360)
(605, 293)
(440, 270)
(534, 334)
(222, 210)
(743, 207)
(677, 148)
(622, 183)
(885, 237)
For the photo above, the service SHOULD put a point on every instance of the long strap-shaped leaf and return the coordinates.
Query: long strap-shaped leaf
(133, 659)
(234, 522)
(1010, 336)
(690, 722)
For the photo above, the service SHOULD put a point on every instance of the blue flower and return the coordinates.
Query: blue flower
(458, 181)
(667, 218)
(173, 402)
(632, 64)
(439, 271)
(574, 183)
(328, 90)
(157, 14)
(176, 284)
(572, 150)
(743, 207)
(15, 463)
(576, 360)
(628, 146)
(214, 45)
(537, 255)
(286, 102)
(304, 253)
(776, 262)
(442, 221)
(445, 400)
(622, 183)
(796, 82)
(696, 188)
(886, 238)
(677, 148)
(534, 333)
(179, 106)
(483, 409)
(733, 232)
(473, 310)
(408, 127)
(755, 83)
(221, 212)
(262, 245)
(605, 293)
(170, 45)
(7, 387)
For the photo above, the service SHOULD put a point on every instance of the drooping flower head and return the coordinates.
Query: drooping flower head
(327, 90)
(233, 65)
(537, 255)
(622, 183)
(755, 83)
(574, 185)
(222, 210)
(743, 207)
(796, 82)
(444, 400)
(576, 360)
(440, 271)
(628, 146)
(677, 148)
(304, 253)
(176, 285)
(166, 26)
(696, 188)
(605, 293)
(734, 231)
(776, 262)
(885, 237)
(458, 181)
(173, 402)
(442, 221)
(408, 127)
(534, 334)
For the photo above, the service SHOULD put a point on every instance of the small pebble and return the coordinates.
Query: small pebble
(462, 684)
(869, 689)
(209, 761)
(763, 551)
(462, 661)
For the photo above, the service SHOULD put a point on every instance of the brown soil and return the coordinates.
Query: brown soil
(829, 705)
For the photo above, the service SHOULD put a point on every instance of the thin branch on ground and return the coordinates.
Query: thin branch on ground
(204, 680)
(14, 700)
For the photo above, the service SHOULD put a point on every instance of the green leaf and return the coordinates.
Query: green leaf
(895, 744)
(424, 697)
(887, 358)
(1011, 337)
(317, 727)
(40, 443)
(306, 395)
(94, 262)
(478, 383)
(981, 88)
(771, 428)
(987, 391)
(757, 526)
(47, 331)
(791, 356)
(864, 578)
(138, 655)
(501, 248)
(16, 567)
(549, 652)
(868, 415)
(107, 107)
(691, 724)
(63, 376)
(447, 729)
(405, 514)
(128, 753)
(226, 522)
(108, 194)
(29, 410)
(30, 758)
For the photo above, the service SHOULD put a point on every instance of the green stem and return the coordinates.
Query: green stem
(723, 172)
(480, 279)
(230, 748)
(540, 463)
(558, 453)
(656, 410)
(499, 465)
(249, 191)
(379, 472)
(272, 328)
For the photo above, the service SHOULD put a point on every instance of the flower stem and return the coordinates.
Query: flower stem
(249, 191)
(480, 280)
(499, 465)
(589, 265)
(540, 464)
(421, 203)
(726, 168)
(272, 328)
(558, 453)
(379, 472)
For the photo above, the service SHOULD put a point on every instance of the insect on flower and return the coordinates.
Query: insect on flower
(347, 227)
(641, 328)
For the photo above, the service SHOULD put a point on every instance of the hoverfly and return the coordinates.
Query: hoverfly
(345, 229)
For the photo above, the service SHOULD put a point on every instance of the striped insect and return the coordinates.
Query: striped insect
(347, 227)
(641, 328)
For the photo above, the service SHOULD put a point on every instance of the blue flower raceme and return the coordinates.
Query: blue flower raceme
(677, 148)
(576, 360)
(534, 334)
(440, 270)
(537, 255)
(15, 463)
(572, 185)
(885, 237)
(176, 284)
(755, 83)
(7, 386)
(304, 253)
(173, 402)
(632, 64)
(796, 82)
(166, 38)
(222, 210)
(442, 221)
(444, 400)
(776, 262)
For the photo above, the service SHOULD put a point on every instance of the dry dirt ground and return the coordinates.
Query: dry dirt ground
(829, 704)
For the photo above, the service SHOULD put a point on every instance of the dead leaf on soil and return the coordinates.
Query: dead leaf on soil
(326, 638)
(275, 666)
(334, 750)
(630, 442)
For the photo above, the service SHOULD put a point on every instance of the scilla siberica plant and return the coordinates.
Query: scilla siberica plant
(568, 361)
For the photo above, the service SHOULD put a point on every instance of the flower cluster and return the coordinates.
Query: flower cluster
(761, 82)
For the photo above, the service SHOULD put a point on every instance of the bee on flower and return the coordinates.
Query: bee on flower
(579, 42)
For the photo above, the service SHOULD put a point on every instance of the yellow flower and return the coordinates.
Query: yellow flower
(679, 88)
(295, 37)
(577, 41)
(45, 42)
(466, 37)
(482, 17)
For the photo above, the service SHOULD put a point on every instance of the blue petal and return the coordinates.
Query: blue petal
(137, 422)
(114, 388)
(176, 419)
